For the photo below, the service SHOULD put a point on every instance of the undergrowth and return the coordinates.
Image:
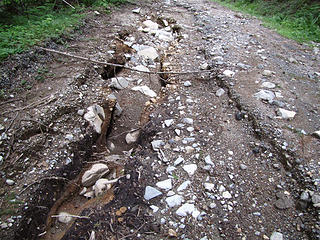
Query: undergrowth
(295, 19)
(20, 30)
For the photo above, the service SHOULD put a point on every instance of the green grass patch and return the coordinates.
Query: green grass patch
(295, 19)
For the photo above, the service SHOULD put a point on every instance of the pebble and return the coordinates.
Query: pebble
(208, 160)
(226, 195)
(220, 92)
(183, 186)
(265, 95)
(268, 85)
(276, 236)
(165, 184)
(154, 208)
(186, 209)
(187, 83)
(149, 53)
(187, 121)
(243, 166)
(316, 134)
(64, 217)
(304, 196)
(94, 173)
(168, 122)
(151, 192)
(190, 168)
(228, 73)
(286, 114)
(80, 112)
(137, 10)
(267, 73)
(156, 144)
(145, 90)
(174, 200)
(119, 83)
(132, 137)
(151, 25)
(170, 169)
(93, 117)
(10, 182)
(315, 199)
(178, 161)
(209, 186)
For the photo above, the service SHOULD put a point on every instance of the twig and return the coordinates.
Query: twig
(122, 66)
(130, 235)
(74, 216)
(68, 4)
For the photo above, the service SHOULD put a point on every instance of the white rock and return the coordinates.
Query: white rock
(268, 85)
(276, 236)
(185, 209)
(178, 161)
(89, 194)
(94, 115)
(177, 131)
(212, 205)
(189, 149)
(149, 53)
(165, 184)
(187, 84)
(316, 134)
(154, 208)
(4, 225)
(9, 182)
(168, 122)
(293, 60)
(141, 68)
(137, 10)
(286, 114)
(174, 200)
(102, 185)
(151, 25)
(151, 192)
(190, 129)
(209, 186)
(83, 191)
(187, 121)
(145, 90)
(208, 160)
(80, 112)
(267, 73)
(220, 92)
(164, 35)
(132, 137)
(119, 83)
(64, 217)
(183, 186)
(265, 95)
(94, 173)
(222, 188)
(190, 168)
(228, 73)
(204, 66)
(156, 144)
(226, 195)
(170, 169)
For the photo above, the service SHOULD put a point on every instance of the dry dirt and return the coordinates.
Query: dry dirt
(264, 176)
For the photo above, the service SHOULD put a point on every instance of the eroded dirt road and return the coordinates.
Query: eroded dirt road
(98, 152)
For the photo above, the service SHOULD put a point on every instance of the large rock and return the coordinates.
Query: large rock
(97, 171)
(95, 116)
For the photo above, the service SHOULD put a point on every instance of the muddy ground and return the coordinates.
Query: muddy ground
(222, 163)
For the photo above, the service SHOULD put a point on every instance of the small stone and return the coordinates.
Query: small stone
(151, 192)
(208, 160)
(267, 73)
(185, 209)
(226, 195)
(10, 182)
(80, 112)
(276, 236)
(177, 131)
(189, 149)
(316, 134)
(183, 186)
(170, 169)
(187, 121)
(187, 83)
(220, 92)
(95, 117)
(102, 185)
(178, 161)
(204, 66)
(190, 168)
(293, 60)
(137, 10)
(239, 116)
(94, 173)
(209, 187)
(305, 196)
(119, 83)
(212, 205)
(268, 85)
(228, 73)
(4, 226)
(168, 122)
(165, 184)
(64, 217)
(151, 25)
(172, 233)
(145, 90)
(149, 53)
(156, 144)
(284, 202)
(174, 200)
(286, 114)
(154, 208)
(243, 166)
(315, 199)
(132, 137)
(265, 95)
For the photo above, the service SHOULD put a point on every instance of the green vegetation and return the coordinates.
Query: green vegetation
(24, 23)
(295, 19)
(11, 203)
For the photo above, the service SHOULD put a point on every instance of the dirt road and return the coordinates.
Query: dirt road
(154, 151)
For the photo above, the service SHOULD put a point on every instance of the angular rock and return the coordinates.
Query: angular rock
(94, 173)
(284, 202)
(178, 161)
(209, 187)
(228, 73)
(208, 160)
(267, 73)
(265, 95)
(174, 200)
(187, 121)
(226, 195)
(149, 53)
(220, 92)
(151, 25)
(165, 184)
(119, 83)
(170, 169)
(268, 85)
(156, 144)
(102, 185)
(151, 192)
(286, 114)
(187, 84)
(316, 134)
(185, 209)
(276, 236)
(164, 35)
(95, 117)
(132, 137)
(183, 186)
(141, 68)
(315, 199)
(145, 90)
(168, 122)
(10, 182)
(137, 10)
(190, 168)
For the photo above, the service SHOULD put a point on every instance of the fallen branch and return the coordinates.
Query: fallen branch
(121, 66)
(68, 4)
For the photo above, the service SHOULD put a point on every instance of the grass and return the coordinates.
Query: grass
(295, 19)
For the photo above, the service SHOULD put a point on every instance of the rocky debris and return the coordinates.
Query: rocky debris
(95, 116)
(64, 217)
(276, 236)
(208, 160)
(286, 114)
(156, 144)
(119, 83)
(243, 166)
(96, 171)
(172, 233)
(265, 95)
(165, 184)
(190, 168)
(187, 83)
(151, 25)
(316, 200)
(168, 122)
(132, 137)
(102, 185)
(209, 187)
(284, 201)
(10, 182)
(267, 73)
(141, 68)
(149, 53)
(316, 134)
(145, 90)
(137, 10)
(228, 73)
(186, 209)
(268, 85)
(151, 192)
(183, 186)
